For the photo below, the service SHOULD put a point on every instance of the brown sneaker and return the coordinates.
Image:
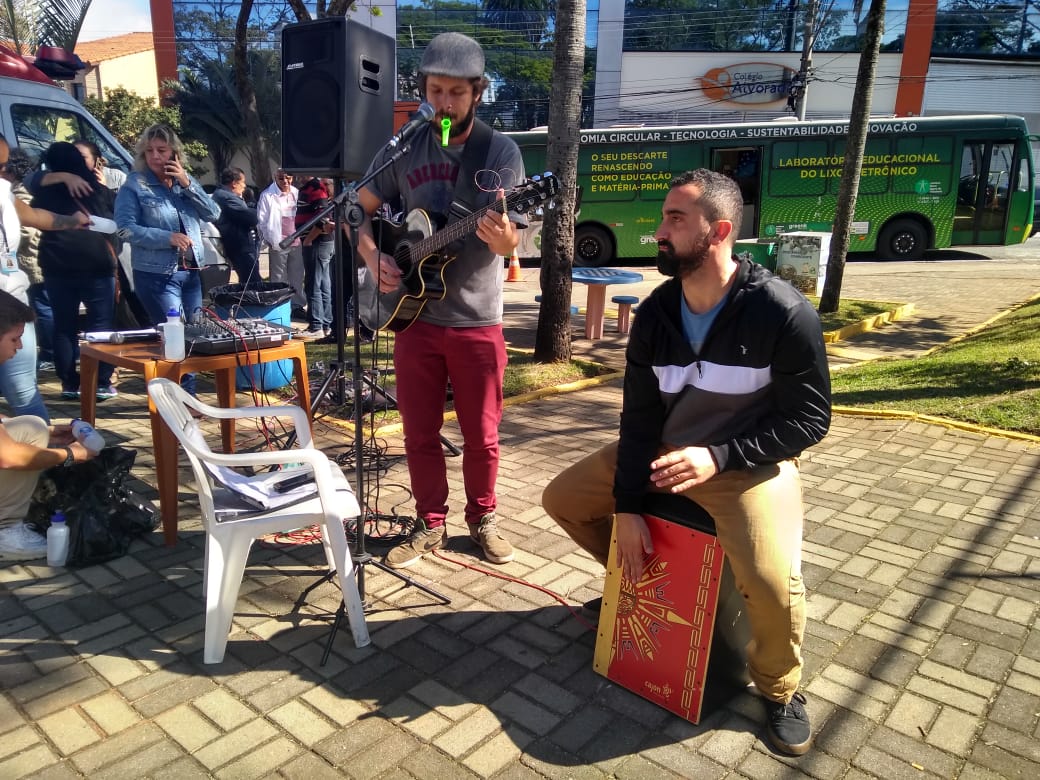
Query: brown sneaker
(421, 541)
(485, 533)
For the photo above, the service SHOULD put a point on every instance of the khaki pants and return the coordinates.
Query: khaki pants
(16, 487)
(758, 519)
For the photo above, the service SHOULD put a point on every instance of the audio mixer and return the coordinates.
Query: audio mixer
(210, 337)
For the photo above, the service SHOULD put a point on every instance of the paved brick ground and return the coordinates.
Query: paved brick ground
(922, 556)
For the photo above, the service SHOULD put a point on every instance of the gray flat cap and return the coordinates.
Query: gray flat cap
(454, 55)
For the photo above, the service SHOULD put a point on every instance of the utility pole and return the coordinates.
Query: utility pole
(808, 35)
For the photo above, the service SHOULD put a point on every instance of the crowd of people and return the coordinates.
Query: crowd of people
(56, 260)
(726, 379)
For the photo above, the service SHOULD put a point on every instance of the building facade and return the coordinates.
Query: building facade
(696, 60)
(126, 61)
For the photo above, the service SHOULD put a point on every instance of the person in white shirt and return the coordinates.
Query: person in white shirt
(276, 215)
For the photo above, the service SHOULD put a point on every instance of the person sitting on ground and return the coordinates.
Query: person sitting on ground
(27, 447)
(726, 383)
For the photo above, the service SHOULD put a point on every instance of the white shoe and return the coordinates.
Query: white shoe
(312, 334)
(19, 543)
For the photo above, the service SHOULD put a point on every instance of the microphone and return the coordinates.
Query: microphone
(425, 113)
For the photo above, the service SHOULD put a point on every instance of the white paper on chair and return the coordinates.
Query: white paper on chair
(260, 490)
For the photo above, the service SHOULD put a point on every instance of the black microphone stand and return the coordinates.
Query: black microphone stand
(349, 211)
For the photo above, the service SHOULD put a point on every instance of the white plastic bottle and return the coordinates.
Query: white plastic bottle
(57, 541)
(173, 336)
(87, 436)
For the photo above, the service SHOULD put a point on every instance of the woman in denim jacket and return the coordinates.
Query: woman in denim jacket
(159, 211)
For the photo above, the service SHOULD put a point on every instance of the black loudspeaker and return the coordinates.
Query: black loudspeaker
(337, 96)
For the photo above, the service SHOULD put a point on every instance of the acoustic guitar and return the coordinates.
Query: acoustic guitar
(418, 249)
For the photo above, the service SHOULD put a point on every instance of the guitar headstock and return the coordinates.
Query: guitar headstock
(535, 190)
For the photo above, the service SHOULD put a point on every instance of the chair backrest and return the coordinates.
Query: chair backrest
(172, 403)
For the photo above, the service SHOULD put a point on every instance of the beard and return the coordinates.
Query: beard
(461, 125)
(671, 263)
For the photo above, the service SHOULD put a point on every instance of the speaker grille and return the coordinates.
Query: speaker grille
(337, 96)
(319, 100)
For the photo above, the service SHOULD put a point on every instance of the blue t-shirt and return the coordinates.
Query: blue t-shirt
(696, 326)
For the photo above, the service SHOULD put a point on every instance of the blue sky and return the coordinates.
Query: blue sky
(116, 17)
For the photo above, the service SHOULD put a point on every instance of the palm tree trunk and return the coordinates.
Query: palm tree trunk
(856, 142)
(257, 148)
(553, 339)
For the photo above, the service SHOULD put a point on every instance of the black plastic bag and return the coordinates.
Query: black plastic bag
(103, 513)
(256, 294)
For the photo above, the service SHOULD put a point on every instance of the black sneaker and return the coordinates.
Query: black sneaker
(421, 541)
(788, 725)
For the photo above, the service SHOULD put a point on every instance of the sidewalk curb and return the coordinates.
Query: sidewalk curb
(895, 414)
(869, 324)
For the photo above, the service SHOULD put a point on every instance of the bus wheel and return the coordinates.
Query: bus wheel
(903, 239)
(592, 246)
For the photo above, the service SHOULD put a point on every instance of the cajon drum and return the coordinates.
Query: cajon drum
(678, 636)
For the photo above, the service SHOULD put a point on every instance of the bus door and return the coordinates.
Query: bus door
(987, 180)
(743, 165)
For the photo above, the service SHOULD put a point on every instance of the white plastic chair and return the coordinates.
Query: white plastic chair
(231, 524)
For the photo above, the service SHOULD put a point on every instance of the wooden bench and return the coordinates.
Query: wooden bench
(624, 310)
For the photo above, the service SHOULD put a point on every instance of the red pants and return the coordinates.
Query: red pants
(474, 359)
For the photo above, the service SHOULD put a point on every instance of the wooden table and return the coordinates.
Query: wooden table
(146, 359)
(597, 279)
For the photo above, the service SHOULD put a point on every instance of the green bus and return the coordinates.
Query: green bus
(926, 182)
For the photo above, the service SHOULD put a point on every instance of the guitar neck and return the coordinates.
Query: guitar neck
(456, 230)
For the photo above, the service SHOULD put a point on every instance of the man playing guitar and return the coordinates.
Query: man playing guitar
(458, 337)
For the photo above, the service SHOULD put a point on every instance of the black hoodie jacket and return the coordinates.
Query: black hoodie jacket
(758, 392)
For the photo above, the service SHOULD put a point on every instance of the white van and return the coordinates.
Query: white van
(35, 112)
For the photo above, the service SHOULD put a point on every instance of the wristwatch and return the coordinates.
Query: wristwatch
(70, 457)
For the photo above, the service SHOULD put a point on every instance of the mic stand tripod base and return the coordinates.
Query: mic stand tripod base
(366, 559)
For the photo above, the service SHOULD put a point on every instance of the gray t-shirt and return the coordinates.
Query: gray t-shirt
(425, 179)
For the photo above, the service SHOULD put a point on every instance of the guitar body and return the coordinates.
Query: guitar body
(421, 281)
(422, 250)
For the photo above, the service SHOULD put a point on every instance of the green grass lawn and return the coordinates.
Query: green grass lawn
(523, 375)
(991, 378)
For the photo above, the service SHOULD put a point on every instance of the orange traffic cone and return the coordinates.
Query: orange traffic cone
(514, 269)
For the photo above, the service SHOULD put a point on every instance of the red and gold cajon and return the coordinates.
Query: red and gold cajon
(678, 636)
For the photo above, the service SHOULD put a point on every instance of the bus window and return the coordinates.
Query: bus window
(923, 163)
(874, 175)
(983, 191)
(795, 168)
(999, 176)
(605, 176)
(741, 165)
